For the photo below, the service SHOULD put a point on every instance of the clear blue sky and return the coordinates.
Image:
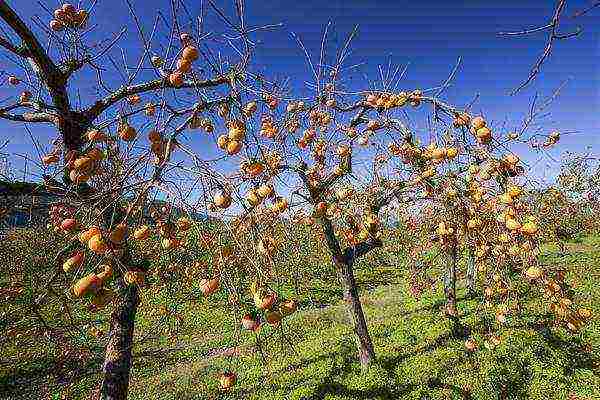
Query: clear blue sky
(430, 35)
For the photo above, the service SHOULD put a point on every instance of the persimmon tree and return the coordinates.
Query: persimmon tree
(91, 190)
(252, 157)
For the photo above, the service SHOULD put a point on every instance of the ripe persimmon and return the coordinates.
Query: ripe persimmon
(227, 380)
(97, 244)
(85, 285)
(176, 79)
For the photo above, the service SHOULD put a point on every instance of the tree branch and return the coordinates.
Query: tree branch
(353, 253)
(585, 11)
(103, 104)
(21, 52)
(36, 116)
(384, 199)
(41, 62)
(332, 241)
(552, 37)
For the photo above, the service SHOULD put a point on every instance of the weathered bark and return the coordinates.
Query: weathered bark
(471, 274)
(366, 353)
(117, 362)
(73, 129)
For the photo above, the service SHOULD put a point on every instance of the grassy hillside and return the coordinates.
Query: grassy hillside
(418, 358)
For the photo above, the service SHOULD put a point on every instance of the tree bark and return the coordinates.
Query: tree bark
(366, 353)
(450, 283)
(73, 128)
(471, 274)
(344, 264)
(450, 291)
(117, 362)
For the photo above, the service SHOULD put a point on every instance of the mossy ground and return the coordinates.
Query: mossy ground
(418, 357)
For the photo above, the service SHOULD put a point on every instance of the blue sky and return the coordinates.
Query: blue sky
(427, 35)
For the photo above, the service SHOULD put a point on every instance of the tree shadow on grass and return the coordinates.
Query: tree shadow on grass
(342, 359)
(21, 382)
(166, 356)
(573, 348)
(344, 364)
(328, 388)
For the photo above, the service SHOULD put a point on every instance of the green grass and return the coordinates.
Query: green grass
(417, 355)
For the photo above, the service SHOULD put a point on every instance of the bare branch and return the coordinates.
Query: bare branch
(12, 48)
(44, 66)
(103, 104)
(35, 116)
(552, 37)
(586, 10)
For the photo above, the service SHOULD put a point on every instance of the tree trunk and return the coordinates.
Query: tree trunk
(344, 265)
(562, 248)
(450, 291)
(471, 274)
(117, 359)
(450, 283)
(366, 353)
(73, 129)
(117, 362)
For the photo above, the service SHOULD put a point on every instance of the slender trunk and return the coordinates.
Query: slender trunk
(450, 283)
(366, 353)
(450, 291)
(471, 274)
(344, 265)
(117, 361)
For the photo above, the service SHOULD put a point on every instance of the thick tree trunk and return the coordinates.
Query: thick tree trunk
(366, 353)
(73, 129)
(117, 362)
(471, 274)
